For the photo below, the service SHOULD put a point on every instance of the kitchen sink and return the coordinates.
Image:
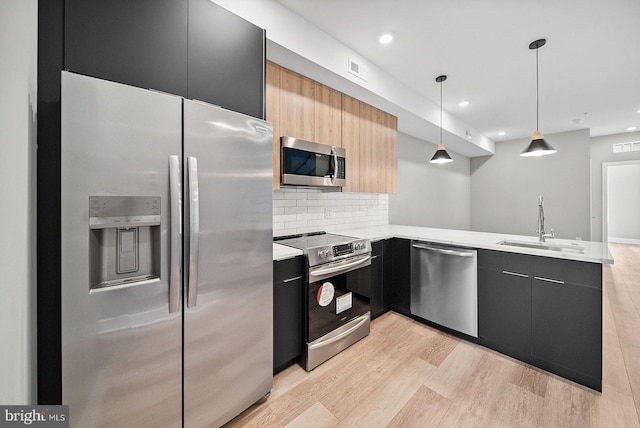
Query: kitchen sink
(572, 248)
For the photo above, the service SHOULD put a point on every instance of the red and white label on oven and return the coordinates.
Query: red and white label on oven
(325, 294)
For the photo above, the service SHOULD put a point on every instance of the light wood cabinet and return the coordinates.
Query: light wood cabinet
(328, 116)
(273, 116)
(297, 105)
(302, 108)
(374, 147)
(351, 141)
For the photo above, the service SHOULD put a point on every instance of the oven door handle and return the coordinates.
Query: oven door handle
(358, 323)
(342, 267)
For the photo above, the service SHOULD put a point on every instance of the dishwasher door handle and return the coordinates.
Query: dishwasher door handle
(444, 251)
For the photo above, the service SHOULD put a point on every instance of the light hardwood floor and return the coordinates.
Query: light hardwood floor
(405, 374)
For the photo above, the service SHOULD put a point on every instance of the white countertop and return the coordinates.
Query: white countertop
(281, 252)
(595, 252)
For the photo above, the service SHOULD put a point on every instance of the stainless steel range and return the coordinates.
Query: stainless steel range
(338, 311)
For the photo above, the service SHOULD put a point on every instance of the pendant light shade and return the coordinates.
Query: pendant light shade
(441, 155)
(538, 146)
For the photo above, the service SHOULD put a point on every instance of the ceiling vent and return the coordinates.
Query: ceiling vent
(357, 70)
(631, 146)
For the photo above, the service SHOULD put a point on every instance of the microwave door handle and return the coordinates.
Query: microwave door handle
(334, 152)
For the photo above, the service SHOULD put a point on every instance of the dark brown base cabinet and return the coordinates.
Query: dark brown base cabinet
(401, 271)
(288, 312)
(380, 277)
(543, 311)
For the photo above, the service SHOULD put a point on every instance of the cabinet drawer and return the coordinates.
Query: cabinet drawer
(500, 260)
(288, 269)
(568, 271)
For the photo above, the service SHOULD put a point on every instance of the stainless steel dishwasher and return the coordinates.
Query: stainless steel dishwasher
(444, 286)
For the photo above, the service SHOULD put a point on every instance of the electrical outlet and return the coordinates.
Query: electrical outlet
(327, 212)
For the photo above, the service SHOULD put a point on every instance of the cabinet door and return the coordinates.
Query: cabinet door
(297, 105)
(387, 274)
(226, 59)
(504, 311)
(377, 282)
(328, 116)
(351, 142)
(390, 154)
(567, 329)
(273, 116)
(401, 270)
(368, 172)
(137, 42)
(288, 311)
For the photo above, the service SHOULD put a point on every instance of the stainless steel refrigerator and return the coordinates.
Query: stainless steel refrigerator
(166, 258)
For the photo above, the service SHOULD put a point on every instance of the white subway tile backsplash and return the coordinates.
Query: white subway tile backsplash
(295, 210)
(295, 196)
(284, 203)
(301, 211)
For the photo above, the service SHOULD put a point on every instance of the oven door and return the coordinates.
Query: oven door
(338, 312)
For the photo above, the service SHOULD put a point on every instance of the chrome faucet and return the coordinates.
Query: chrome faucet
(541, 235)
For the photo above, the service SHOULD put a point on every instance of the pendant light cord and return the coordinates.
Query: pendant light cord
(537, 94)
(440, 113)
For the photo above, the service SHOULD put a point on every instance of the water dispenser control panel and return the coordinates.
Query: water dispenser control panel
(123, 211)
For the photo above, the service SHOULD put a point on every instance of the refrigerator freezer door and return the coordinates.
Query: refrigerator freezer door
(121, 346)
(228, 337)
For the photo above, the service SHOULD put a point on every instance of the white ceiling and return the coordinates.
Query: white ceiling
(589, 68)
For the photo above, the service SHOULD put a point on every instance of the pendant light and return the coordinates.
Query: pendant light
(441, 155)
(538, 146)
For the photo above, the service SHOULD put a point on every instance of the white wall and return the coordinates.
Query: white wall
(623, 190)
(301, 211)
(18, 77)
(431, 195)
(601, 153)
(505, 188)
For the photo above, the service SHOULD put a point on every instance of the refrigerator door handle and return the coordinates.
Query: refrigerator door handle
(175, 235)
(194, 231)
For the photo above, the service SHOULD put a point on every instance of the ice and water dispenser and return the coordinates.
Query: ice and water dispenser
(124, 248)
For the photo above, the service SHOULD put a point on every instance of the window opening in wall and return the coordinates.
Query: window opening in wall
(631, 146)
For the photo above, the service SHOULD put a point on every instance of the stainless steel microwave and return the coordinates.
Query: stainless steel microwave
(305, 163)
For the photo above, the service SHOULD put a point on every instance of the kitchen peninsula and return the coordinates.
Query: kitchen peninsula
(538, 302)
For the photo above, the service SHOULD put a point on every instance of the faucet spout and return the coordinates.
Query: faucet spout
(541, 233)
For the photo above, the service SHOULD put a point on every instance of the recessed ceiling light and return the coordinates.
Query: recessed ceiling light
(632, 128)
(501, 133)
(463, 103)
(386, 38)
(638, 111)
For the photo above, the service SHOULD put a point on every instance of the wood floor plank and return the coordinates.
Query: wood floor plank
(316, 416)
(517, 407)
(381, 406)
(425, 408)
(614, 410)
(531, 379)
(456, 370)
(566, 404)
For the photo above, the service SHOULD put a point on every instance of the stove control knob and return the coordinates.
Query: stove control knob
(323, 254)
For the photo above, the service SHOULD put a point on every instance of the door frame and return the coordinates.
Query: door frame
(605, 195)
